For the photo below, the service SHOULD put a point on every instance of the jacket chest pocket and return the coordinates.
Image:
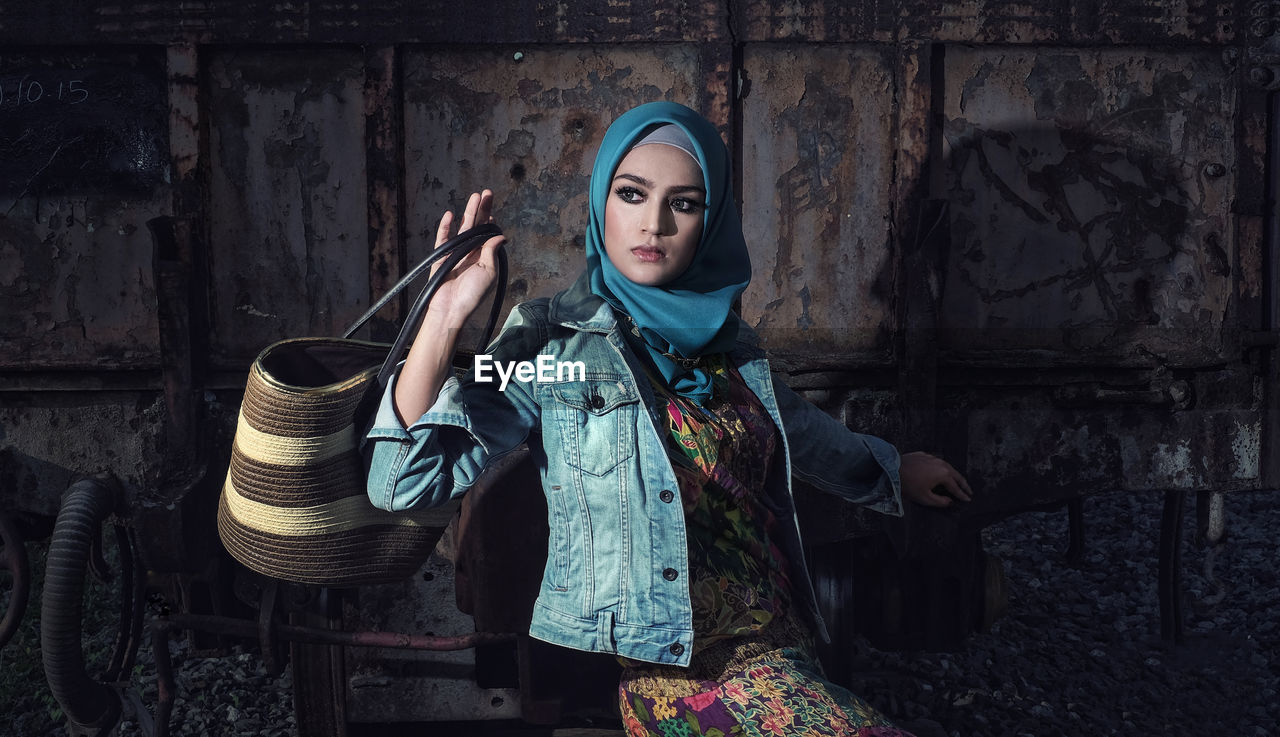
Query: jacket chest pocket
(597, 423)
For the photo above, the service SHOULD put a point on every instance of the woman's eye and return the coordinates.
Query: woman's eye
(629, 194)
(683, 205)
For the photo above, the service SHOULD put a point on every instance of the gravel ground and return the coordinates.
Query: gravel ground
(1077, 653)
(1079, 650)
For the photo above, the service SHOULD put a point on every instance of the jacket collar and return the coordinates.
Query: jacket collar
(578, 308)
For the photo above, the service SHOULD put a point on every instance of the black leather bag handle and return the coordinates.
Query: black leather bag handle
(452, 251)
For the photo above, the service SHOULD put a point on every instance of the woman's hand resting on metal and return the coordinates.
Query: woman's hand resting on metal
(931, 481)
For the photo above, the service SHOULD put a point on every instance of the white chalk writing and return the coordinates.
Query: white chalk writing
(17, 92)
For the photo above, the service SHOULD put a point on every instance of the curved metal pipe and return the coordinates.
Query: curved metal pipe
(87, 703)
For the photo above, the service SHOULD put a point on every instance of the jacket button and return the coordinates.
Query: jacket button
(670, 574)
(666, 495)
(597, 401)
(676, 649)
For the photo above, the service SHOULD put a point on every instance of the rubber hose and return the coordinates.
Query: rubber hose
(86, 702)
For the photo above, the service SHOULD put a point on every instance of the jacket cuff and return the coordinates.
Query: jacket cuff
(448, 409)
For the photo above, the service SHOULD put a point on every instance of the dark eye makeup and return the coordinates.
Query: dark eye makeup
(633, 195)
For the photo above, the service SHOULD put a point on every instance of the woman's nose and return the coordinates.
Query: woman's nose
(656, 218)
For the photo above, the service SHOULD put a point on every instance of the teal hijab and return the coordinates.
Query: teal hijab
(692, 315)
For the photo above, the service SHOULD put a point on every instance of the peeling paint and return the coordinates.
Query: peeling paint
(1172, 465)
(289, 195)
(817, 164)
(254, 311)
(75, 297)
(1246, 444)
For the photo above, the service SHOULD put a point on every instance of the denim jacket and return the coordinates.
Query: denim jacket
(617, 562)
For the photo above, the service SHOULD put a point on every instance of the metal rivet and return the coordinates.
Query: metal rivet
(597, 401)
(1214, 170)
(670, 574)
(666, 495)
(676, 649)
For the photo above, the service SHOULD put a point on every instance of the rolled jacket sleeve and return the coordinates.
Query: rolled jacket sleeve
(443, 453)
(828, 456)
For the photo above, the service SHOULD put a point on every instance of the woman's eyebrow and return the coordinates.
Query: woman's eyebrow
(646, 183)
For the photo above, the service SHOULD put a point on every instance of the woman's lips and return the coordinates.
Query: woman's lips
(648, 253)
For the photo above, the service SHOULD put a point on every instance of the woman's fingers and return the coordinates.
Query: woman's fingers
(932, 498)
(490, 248)
(952, 484)
(469, 215)
(442, 234)
(932, 481)
(445, 227)
(484, 212)
(478, 210)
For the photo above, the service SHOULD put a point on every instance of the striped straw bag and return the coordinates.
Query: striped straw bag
(294, 505)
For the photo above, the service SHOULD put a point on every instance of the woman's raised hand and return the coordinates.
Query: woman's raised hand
(472, 281)
(430, 359)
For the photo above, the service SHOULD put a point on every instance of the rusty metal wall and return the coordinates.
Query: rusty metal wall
(1081, 22)
(288, 246)
(1102, 199)
(817, 172)
(1090, 197)
(75, 264)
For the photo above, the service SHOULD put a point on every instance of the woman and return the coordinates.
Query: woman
(667, 464)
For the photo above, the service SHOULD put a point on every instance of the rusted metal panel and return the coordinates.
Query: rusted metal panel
(367, 22)
(50, 440)
(75, 278)
(416, 685)
(384, 138)
(1081, 22)
(1146, 22)
(527, 123)
(1251, 203)
(817, 172)
(1025, 452)
(778, 20)
(75, 255)
(1091, 201)
(288, 223)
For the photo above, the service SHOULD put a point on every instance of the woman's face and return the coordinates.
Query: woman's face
(653, 217)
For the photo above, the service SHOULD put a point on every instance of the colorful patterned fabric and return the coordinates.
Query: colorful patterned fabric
(762, 691)
(752, 672)
(721, 455)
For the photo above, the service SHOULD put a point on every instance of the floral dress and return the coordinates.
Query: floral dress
(752, 670)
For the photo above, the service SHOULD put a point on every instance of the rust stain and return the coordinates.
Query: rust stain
(289, 196)
(184, 110)
(46, 443)
(816, 187)
(77, 283)
(968, 21)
